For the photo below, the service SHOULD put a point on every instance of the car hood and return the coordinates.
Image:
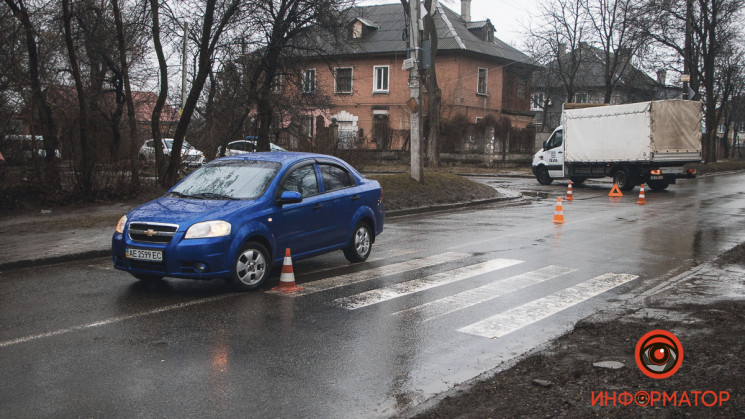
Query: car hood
(186, 212)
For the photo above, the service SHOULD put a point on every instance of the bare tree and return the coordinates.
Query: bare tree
(160, 164)
(702, 32)
(38, 100)
(289, 27)
(434, 93)
(134, 160)
(208, 42)
(616, 30)
(563, 27)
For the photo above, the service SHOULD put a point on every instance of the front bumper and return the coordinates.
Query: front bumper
(181, 258)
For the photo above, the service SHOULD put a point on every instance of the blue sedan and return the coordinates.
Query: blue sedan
(234, 217)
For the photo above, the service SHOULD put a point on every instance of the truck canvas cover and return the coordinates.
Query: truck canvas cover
(646, 131)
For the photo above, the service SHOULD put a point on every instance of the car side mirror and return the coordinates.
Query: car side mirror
(289, 197)
(545, 144)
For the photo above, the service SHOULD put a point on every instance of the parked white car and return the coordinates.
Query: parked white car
(190, 156)
(245, 146)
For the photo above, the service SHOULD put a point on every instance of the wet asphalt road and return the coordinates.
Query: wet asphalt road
(443, 298)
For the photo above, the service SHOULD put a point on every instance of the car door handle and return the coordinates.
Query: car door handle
(561, 152)
(355, 197)
(317, 207)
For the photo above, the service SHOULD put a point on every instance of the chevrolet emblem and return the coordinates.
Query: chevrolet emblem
(150, 232)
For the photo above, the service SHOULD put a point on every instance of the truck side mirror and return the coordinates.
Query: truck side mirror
(545, 145)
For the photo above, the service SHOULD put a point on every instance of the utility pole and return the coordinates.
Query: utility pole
(415, 108)
(183, 66)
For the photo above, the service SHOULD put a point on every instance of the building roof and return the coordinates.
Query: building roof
(452, 30)
(591, 72)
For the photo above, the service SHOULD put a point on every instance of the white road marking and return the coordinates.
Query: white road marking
(393, 252)
(447, 305)
(370, 274)
(113, 320)
(410, 287)
(526, 314)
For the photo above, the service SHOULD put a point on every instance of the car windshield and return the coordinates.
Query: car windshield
(228, 180)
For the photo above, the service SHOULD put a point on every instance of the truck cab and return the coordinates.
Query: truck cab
(548, 162)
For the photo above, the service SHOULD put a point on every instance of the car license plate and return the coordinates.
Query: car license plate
(655, 177)
(147, 255)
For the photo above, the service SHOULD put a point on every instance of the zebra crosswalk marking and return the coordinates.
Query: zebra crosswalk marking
(374, 273)
(526, 314)
(498, 288)
(410, 287)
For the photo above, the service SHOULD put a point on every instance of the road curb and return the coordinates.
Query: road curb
(27, 263)
(443, 207)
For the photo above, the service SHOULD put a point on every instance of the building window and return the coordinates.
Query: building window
(581, 98)
(307, 125)
(309, 81)
(380, 79)
(537, 101)
(521, 85)
(343, 80)
(277, 84)
(721, 129)
(481, 88)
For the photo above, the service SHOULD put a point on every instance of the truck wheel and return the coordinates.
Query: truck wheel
(623, 179)
(578, 180)
(658, 185)
(542, 175)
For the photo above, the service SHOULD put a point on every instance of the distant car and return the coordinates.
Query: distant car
(245, 146)
(190, 156)
(21, 148)
(234, 217)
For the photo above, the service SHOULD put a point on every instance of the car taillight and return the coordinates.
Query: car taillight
(655, 172)
(691, 171)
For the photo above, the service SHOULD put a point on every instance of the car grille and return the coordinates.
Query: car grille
(151, 232)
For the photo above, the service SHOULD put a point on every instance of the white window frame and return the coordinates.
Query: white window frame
(351, 81)
(306, 89)
(486, 81)
(586, 97)
(535, 106)
(376, 79)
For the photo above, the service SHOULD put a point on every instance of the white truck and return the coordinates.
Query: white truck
(647, 142)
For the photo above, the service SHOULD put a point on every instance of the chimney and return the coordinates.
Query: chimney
(465, 10)
(661, 76)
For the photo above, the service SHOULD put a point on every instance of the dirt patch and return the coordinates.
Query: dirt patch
(401, 191)
(560, 380)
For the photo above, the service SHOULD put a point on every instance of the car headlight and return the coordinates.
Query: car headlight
(217, 228)
(121, 224)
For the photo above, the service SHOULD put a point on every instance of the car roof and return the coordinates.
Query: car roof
(288, 157)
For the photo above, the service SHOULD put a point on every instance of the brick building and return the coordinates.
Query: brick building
(478, 74)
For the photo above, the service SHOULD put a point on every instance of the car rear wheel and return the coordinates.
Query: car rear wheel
(252, 267)
(360, 244)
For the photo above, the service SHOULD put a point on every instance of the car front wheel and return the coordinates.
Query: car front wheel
(360, 244)
(252, 267)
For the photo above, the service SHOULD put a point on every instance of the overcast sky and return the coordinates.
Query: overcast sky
(508, 16)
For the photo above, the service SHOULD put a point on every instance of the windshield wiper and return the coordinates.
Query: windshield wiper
(212, 195)
(179, 194)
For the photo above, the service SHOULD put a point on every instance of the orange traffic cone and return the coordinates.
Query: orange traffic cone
(287, 278)
(558, 212)
(570, 196)
(615, 192)
(641, 200)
